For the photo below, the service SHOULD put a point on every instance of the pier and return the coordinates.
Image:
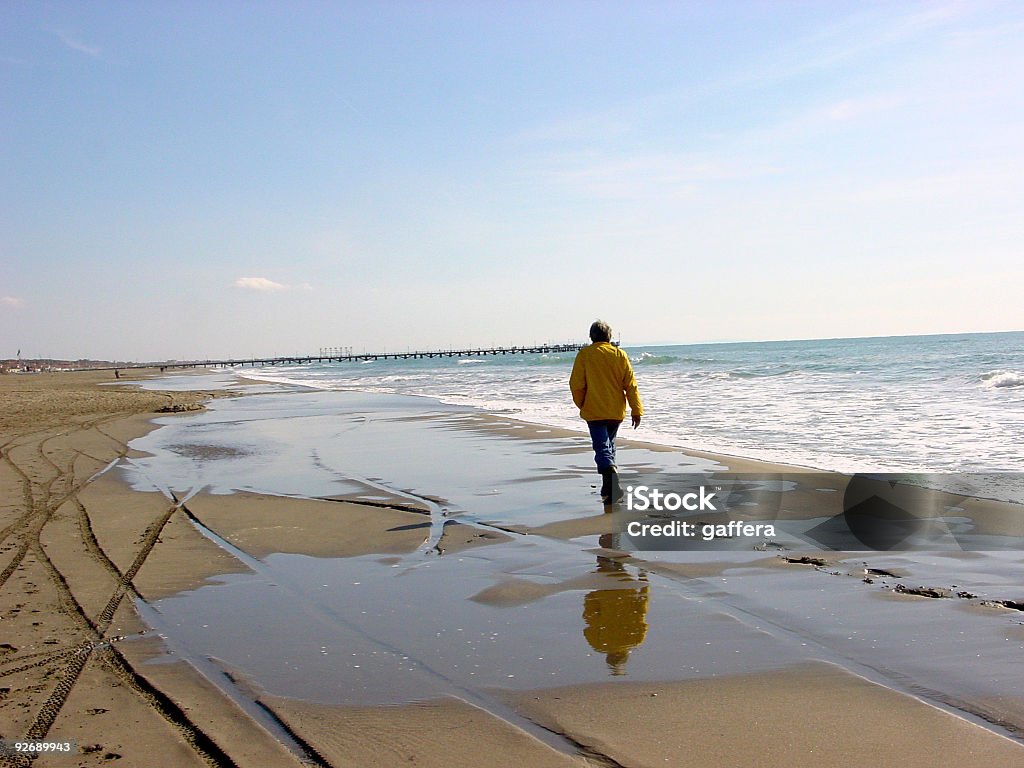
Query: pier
(541, 349)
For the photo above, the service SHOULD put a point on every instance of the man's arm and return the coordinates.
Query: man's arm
(578, 382)
(636, 408)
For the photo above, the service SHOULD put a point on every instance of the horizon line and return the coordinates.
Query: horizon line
(548, 343)
(816, 338)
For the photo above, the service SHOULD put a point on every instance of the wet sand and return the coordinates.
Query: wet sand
(414, 607)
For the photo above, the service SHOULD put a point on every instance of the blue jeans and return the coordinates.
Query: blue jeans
(602, 435)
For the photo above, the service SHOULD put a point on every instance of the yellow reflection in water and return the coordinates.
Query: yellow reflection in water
(616, 619)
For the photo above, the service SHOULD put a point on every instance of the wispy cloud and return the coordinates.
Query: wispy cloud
(865, 106)
(76, 44)
(859, 36)
(851, 41)
(259, 284)
(267, 285)
(658, 174)
(12, 301)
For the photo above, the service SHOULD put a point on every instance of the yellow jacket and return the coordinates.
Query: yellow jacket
(602, 382)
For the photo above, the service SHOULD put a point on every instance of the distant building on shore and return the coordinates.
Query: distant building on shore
(41, 365)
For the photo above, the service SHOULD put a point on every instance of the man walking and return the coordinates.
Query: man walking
(602, 382)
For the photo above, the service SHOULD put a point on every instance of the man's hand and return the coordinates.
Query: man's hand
(636, 421)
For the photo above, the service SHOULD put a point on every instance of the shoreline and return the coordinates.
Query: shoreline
(761, 464)
(192, 718)
(753, 449)
(734, 463)
(731, 463)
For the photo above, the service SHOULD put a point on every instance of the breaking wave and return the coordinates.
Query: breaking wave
(1003, 379)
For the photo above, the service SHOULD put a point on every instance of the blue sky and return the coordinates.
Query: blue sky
(204, 180)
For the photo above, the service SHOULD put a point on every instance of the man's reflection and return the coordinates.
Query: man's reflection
(616, 618)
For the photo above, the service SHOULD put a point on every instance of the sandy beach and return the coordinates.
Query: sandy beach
(228, 597)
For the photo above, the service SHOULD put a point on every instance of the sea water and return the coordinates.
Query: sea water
(946, 403)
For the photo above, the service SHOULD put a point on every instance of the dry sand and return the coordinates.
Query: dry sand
(76, 551)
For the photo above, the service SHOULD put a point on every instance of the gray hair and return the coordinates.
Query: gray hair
(600, 331)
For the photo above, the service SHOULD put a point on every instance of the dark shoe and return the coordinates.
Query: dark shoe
(610, 490)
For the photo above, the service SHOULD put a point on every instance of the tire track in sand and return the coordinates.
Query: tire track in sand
(41, 498)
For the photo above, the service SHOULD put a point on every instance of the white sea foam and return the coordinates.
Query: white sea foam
(1003, 379)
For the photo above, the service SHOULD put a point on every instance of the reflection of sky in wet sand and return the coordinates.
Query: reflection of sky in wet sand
(366, 630)
(533, 611)
(312, 444)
